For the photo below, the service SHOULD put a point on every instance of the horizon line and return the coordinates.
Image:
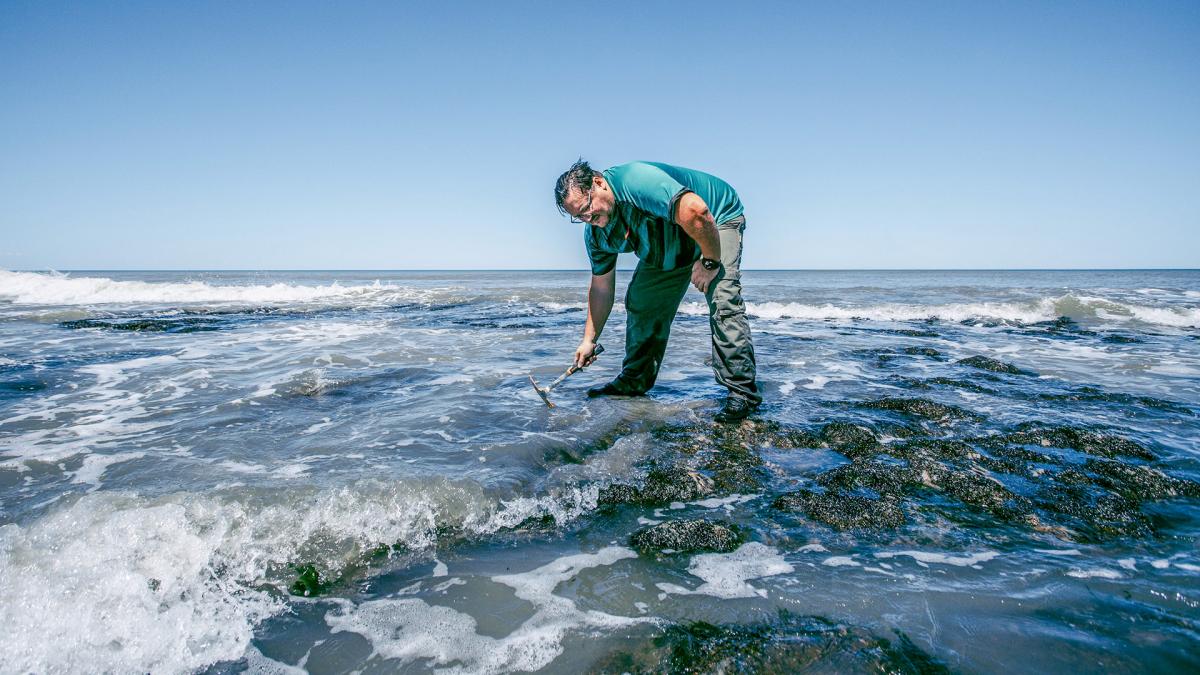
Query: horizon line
(630, 269)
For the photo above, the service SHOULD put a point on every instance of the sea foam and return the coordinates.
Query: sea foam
(36, 288)
(117, 583)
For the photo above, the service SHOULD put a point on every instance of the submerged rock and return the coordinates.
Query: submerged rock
(984, 363)
(788, 645)
(173, 325)
(1073, 438)
(1140, 482)
(661, 486)
(920, 407)
(686, 536)
(922, 351)
(844, 511)
(852, 440)
(308, 582)
(885, 478)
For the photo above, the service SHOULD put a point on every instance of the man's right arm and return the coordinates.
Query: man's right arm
(601, 293)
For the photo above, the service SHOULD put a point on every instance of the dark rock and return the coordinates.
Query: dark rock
(1098, 517)
(851, 440)
(984, 363)
(791, 644)
(308, 582)
(686, 536)
(885, 478)
(932, 448)
(1082, 440)
(1120, 339)
(922, 351)
(662, 486)
(920, 407)
(960, 384)
(844, 511)
(675, 484)
(978, 490)
(1091, 394)
(174, 325)
(1141, 483)
(619, 493)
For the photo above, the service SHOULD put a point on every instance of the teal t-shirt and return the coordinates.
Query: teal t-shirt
(646, 195)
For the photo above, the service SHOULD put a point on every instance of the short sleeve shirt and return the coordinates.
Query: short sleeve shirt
(643, 218)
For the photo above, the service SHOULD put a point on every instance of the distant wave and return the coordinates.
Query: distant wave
(34, 288)
(1085, 309)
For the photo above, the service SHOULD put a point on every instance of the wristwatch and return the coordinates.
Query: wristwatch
(710, 264)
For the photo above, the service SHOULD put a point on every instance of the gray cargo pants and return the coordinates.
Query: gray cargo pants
(653, 299)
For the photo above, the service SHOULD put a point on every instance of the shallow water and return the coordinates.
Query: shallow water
(184, 455)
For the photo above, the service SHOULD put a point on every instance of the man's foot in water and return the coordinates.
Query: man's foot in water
(614, 388)
(736, 408)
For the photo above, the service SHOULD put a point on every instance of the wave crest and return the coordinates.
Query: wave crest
(35, 288)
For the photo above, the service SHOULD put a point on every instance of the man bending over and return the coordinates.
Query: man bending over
(683, 225)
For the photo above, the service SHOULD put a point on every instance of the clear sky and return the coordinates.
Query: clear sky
(392, 135)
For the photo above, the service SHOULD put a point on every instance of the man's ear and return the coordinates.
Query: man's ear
(598, 181)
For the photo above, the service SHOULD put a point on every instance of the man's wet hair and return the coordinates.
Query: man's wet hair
(580, 175)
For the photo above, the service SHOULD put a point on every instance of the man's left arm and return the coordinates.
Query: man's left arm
(692, 214)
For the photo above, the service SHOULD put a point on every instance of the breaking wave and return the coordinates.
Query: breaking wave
(178, 583)
(35, 288)
(1084, 309)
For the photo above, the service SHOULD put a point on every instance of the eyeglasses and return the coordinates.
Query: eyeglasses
(584, 216)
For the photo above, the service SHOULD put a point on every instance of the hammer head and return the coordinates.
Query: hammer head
(541, 392)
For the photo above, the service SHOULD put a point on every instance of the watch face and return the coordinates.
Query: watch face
(709, 264)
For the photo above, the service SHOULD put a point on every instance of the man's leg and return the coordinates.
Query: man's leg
(732, 349)
(651, 301)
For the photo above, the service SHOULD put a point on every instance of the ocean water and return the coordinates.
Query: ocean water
(349, 471)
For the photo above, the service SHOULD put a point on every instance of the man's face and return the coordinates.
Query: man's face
(594, 208)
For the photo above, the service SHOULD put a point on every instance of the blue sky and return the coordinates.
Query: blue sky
(391, 135)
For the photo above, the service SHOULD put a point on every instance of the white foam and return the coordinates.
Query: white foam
(33, 288)
(94, 467)
(1059, 551)
(930, 557)
(841, 561)
(1097, 573)
(725, 574)
(1128, 563)
(1026, 312)
(812, 548)
(452, 379)
(817, 382)
(718, 502)
(325, 423)
(409, 630)
(176, 584)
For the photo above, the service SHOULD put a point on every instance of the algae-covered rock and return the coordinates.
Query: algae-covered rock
(844, 511)
(675, 484)
(661, 486)
(984, 363)
(1073, 438)
(920, 407)
(308, 581)
(685, 536)
(922, 351)
(791, 644)
(886, 478)
(852, 440)
(1140, 482)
